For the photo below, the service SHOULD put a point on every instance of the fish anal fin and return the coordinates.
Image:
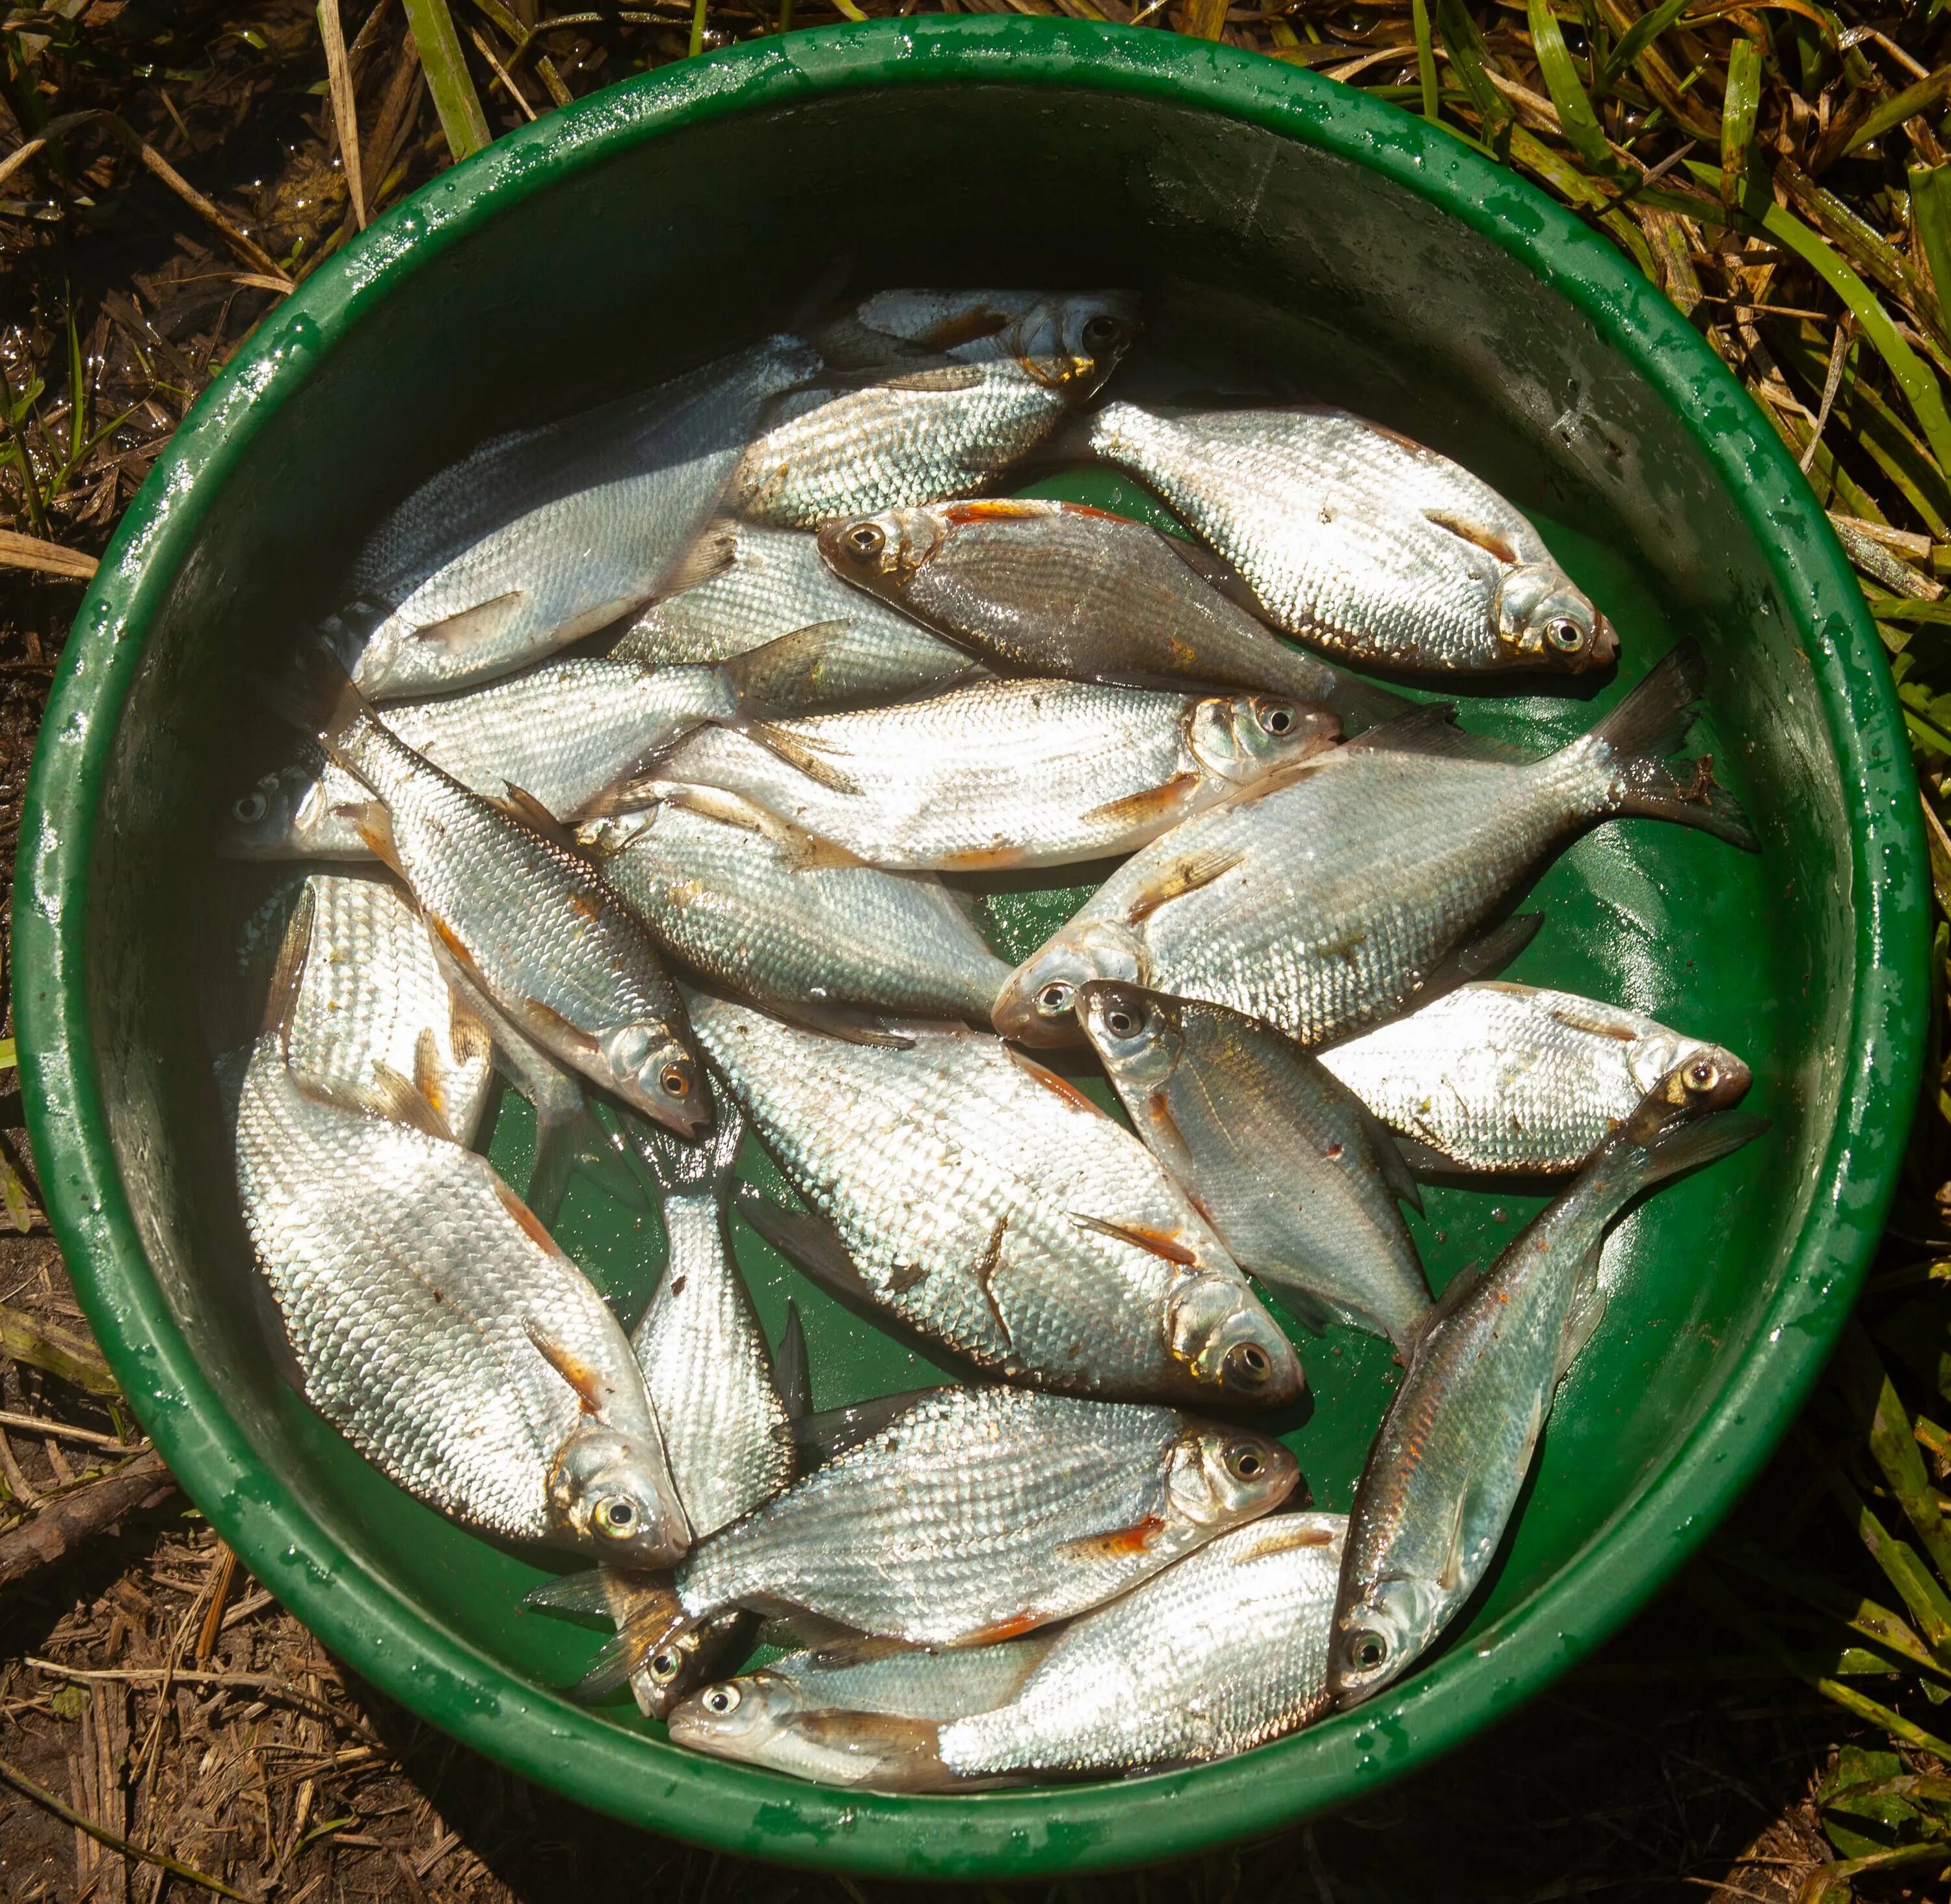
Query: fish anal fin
(1182, 876)
(1489, 951)
(1154, 1242)
(1149, 805)
(473, 628)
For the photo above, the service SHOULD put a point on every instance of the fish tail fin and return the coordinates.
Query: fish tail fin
(783, 675)
(682, 1166)
(651, 1621)
(1648, 724)
(1685, 1146)
(884, 1751)
(316, 695)
(578, 1145)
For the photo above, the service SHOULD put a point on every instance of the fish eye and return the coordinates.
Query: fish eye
(675, 1081)
(720, 1700)
(1101, 332)
(1245, 1462)
(250, 809)
(865, 539)
(616, 1516)
(666, 1666)
(1564, 634)
(1055, 998)
(1702, 1075)
(1278, 719)
(1249, 1364)
(1120, 1022)
(1368, 1649)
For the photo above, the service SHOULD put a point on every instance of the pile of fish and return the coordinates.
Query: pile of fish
(652, 760)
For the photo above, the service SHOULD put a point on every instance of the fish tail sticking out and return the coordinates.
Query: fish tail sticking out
(316, 695)
(1648, 724)
(654, 1625)
(686, 1168)
(781, 676)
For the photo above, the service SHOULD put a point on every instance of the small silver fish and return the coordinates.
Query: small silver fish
(1445, 1470)
(1325, 899)
(1358, 539)
(546, 535)
(885, 1676)
(992, 1207)
(977, 1514)
(755, 904)
(1222, 1652)
(1496, 1076)
(999, 774)
(927, 421)
(435, 1323)
(1280, 1158)
(766, 584)
(564, 733)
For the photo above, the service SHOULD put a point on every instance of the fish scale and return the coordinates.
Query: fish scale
(956, 1182)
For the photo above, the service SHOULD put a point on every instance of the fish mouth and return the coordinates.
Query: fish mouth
(1603, 649)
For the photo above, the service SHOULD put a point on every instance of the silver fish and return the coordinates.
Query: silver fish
(767, 584)
(1363, 541)
(526, 919)
(1004, 774)
(1051, 589)
(977, 1514)
(435, 1324)
(544, 536)
(756, 905)
(993, 1207)
(922, 423)
(564, 733)
(1325, 900)
(1445, 1472)
(1222, 1652)
(1282, 1159)
(884, 1675)
(1496, 1076)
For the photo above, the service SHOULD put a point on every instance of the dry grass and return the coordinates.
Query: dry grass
(1757, 161)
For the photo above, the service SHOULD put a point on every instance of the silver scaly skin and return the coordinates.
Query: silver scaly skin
(1222, 1652)
(925, 419)
(918, 1682)
(540, 538)
(1445, 1472)
(565, 732)
(993, 1207)
(1283, 1161)
(773, 583)
(1496, 1076)
(440, 1330)
(527, 921)
(979, 1514)
(999, 774)
(1322, 901)
(1362, 541)
(755, 904)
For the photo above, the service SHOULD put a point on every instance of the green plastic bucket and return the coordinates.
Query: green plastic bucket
(1278, 225)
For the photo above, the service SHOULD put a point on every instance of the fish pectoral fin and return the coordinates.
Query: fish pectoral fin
(941, 380)
(659, 1622)
(808, 851)
(1158, 805)
(1451, 1576)
(592, 1391)
(710, 552)
(1306, 1308)
(522, 806)
(851, 1027)
(473, 628)
(1154, 1242)
(1476, 534)
(1117, 1543)
(554, 1026)
(373, 823)
(806, 1239)
(1058, 1087)
(1185, 875)
(797, 754)
(532, 1226)
(1586, 1311)
(403, 1102)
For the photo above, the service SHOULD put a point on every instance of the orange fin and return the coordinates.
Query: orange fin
(1159, 804)
(1181, 876)
(1154, 1242)
(590, 1389)
(1121, 1544)
(1013, 1628)
(1058, 1087)
(1488, 540)
(403, 1102)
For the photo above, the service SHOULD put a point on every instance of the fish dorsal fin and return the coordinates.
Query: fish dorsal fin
(475, 627)
(1154, 1242)
(522, 806)
(1432, 731)
(591, 1391)
(798, 754)
(281, 1001)
(709, 553)
(780, 674)
(1185, 874)
(792, 1374)
(834, 1432)
(808, 851)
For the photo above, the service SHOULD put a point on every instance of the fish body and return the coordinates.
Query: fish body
(997, 774)
(769, 583)
(753, 903)
(918, 1682)
(994, 1209)
(1362, 541)
(546, 535)
(1221, 1653)
(1445, 1470)
(1324, 900)
(980, 1515)
(921, 419)
(1496, 1076)
(440, 1330)
(1279, 1156)
(526, 919)
(564, 733)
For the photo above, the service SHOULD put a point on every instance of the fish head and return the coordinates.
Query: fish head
(1380, 1632)
(759, 1718)
(1038, 1006)
(651, 1070)
(1073, 343)
(273, 817)
(1217, 1331)
(736, 1719)
(1709, 1079)
(1136, 1033)
(1216, 1477)
(1543, 618)
(1241, 738)
(881, 553)
(1649, 1058)
(612, 1498)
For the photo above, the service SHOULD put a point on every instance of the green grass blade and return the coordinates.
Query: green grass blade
(1906, 104)
(1467, 56)
(1738, 112)
(1637, 39)
(1576, 119)
(1931, 211)
(1893, 1443)
(1860, 1615)
(1425, 60)
(448, 78)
